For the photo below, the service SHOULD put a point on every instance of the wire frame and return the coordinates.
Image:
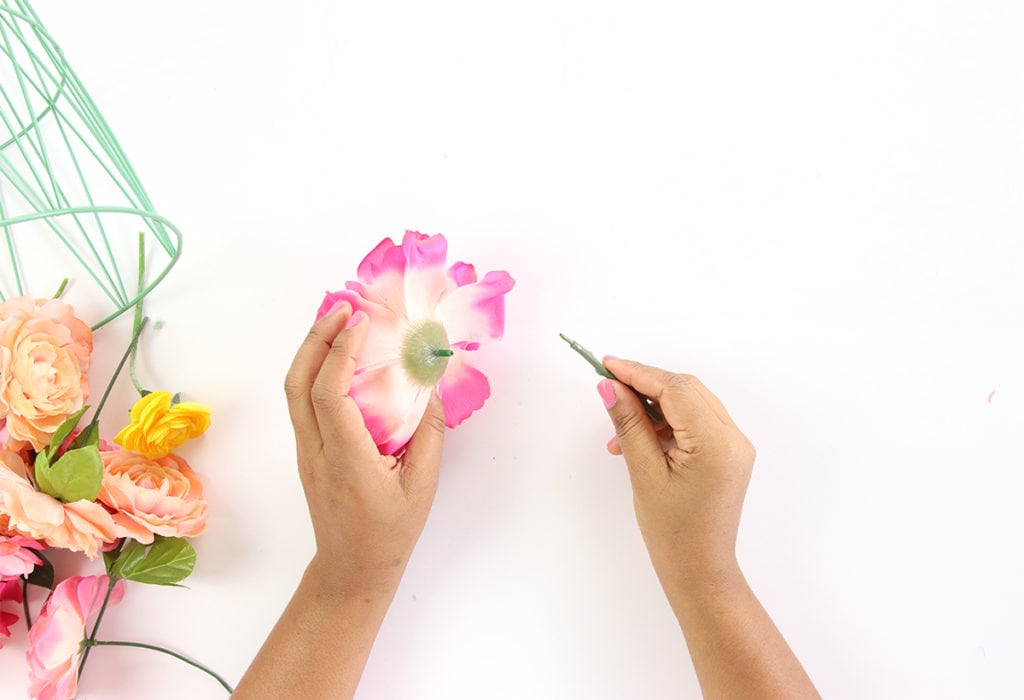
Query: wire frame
(71, 205)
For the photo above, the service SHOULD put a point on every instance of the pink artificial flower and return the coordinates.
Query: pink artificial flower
(81, 526)
(10, 591)
(55, 640)
(160, 496)
(425, 324)
(44, 356)
(17, 557)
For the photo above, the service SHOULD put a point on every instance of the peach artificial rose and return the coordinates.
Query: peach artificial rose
(163, 496)
(81, 526)
(44, 357)
(157, 427)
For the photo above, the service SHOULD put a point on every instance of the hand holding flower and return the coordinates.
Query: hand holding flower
(367, 509)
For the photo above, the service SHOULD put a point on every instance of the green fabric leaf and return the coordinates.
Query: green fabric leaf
(65, 429)
(167, 561)
(42, 474)
(77, 475)
(109, 557)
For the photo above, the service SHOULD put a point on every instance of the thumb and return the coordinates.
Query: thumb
(422, 459)
(637, 437)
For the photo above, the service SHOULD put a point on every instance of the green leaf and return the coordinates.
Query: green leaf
(42, 575)
(144, 393)
(176, 399)
(167, 561)
(42, 474)
(77, 475)
(65, 429)
(90, 435)
(109, 557)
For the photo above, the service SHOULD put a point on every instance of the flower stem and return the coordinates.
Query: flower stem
(60, 289)
(24, 602)
(96, 628)
(110, 385)
(140, 645)
(606, 373)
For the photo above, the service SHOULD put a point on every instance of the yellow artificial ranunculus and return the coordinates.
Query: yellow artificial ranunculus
(157, 427)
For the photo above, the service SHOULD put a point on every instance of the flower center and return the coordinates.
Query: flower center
(425, 352)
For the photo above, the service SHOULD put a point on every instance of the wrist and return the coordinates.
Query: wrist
(702, 582)
(334, 580)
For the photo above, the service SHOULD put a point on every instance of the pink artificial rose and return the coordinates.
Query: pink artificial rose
(426, 322)
(44, 357)
(81, 526)
(55, 640)
(161, 496)
(10, 591)
(17, 557)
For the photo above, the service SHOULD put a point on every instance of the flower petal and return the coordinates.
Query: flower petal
(391, 405)
(384, 341)
(462, 274)
(425, 279)
(382, 273)
(476, 311)
(463, 389)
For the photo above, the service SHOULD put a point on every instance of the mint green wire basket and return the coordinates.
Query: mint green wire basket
(71, 205)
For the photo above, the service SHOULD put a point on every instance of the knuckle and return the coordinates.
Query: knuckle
(294, 387)
(741, 450)
(627, 423)
(323, 397)
(682, 381)
(340, 354)
(435, 421)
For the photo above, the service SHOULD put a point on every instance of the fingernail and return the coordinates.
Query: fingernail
(607, 391)
(356, 319)
(612, 442)
(608, 357)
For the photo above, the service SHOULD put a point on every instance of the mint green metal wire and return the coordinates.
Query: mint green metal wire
(64, 174)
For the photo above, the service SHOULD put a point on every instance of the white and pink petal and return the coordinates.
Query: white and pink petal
(391, 405)
(425, 280)
(382, 274)
(476, 311)
(463, 389)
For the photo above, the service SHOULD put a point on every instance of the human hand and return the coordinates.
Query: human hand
(689, 472)
(368, 509)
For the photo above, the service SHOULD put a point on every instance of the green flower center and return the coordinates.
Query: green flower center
(425, 352)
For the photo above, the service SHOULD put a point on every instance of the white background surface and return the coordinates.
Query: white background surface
(815, 207)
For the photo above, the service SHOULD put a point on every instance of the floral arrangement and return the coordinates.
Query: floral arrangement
(62, 487)
(426, 323)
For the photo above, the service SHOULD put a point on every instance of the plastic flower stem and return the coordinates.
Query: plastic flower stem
(24, 602)
(140, 645)
(110, 385)
(60, 289)
(604, 372)
(137, 321)
(96, 628)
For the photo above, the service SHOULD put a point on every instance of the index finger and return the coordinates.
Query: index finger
(298, 384)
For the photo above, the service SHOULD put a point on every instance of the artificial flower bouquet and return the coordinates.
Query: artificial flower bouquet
(133, 501)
